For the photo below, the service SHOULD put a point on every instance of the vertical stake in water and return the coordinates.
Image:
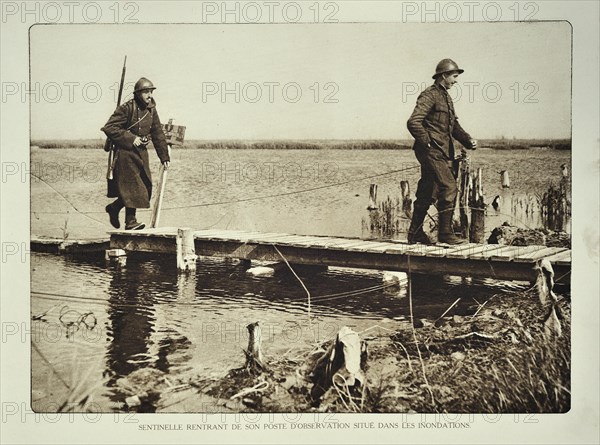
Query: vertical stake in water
(406, 199)
(505, 179)
(372, 197)
(476, 202)
(465, 183)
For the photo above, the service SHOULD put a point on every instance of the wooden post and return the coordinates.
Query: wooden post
(372, 197)
(254, 357)
(544, 284)
(116, 256)
(477, 205)
(159, 196)
(505, 179)
(406, 199)
(465, 184)
(346, 357)
(186, 251)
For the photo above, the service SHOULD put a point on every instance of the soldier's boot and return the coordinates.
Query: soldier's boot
(130, 221)
(445, 230)
(415, 231)
(113, 210)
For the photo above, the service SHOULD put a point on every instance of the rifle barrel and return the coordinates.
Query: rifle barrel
(108, 143)
(122, 82)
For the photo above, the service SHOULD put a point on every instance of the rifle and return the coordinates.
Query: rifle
(108, 145)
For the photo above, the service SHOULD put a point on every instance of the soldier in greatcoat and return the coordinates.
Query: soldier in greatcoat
(434, 125)
(131, 127)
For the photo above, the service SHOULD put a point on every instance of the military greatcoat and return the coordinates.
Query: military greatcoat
(132, 166)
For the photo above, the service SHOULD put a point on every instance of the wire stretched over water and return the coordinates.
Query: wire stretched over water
(293, 192)
(86, 214)
(235, 201)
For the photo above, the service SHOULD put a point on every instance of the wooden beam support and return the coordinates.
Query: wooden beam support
(186, 250)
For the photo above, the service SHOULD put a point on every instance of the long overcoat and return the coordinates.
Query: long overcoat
(131, 166)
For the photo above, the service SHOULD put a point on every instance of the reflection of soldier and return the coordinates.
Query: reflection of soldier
(434, 124)
(132, 126)
(131, 322)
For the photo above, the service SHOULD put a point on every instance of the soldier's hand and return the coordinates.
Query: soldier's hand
(137, 141)
(166, 165)
(473, 144)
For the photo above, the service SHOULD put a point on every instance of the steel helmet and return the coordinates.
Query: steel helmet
(446, 66)
(143, 84)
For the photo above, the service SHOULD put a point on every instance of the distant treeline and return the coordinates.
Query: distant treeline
(496, 144)
(525, 144)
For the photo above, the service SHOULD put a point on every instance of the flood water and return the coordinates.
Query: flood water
(94, 322)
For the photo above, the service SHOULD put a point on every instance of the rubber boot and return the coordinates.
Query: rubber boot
(130, 221)
(415, 231)
(113, 210)
(445, 230)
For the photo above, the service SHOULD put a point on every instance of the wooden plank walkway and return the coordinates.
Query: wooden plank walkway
(477, 260)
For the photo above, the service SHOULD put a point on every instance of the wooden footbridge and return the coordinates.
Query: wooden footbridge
(476, 260)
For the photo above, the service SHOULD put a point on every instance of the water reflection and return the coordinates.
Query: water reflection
(131, 321)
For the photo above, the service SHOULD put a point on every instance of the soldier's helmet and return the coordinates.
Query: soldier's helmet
(143, 84)
(446, 66)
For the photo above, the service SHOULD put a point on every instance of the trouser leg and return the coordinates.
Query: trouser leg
(117, 205)
(423, 200)
(440, 169)
(130, 221)
(129, 215)
(113, 210)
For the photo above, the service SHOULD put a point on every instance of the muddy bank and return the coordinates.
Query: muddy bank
(499, 358)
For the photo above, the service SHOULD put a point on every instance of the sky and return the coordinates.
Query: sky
(303, 81)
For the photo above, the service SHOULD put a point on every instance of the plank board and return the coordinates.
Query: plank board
(514, 251)
(462, 251)
(560, 258)
(372, 246)
(308, 241)
(361, 245)
(281, 239)
(161, 231)
(399, 248)
(438, 252)
(545, 252)
(425, 250)
(267, 236)
(487, 251)
(345, 245)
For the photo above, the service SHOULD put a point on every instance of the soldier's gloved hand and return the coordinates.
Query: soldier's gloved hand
(166, 165)
(463, 153)
(473, 143)
(137, 141)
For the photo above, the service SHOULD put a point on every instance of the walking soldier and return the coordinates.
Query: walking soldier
(132, 126)
(434, 124)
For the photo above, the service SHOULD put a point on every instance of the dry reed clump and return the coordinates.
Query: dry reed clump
(499, 361)
(391, 218)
